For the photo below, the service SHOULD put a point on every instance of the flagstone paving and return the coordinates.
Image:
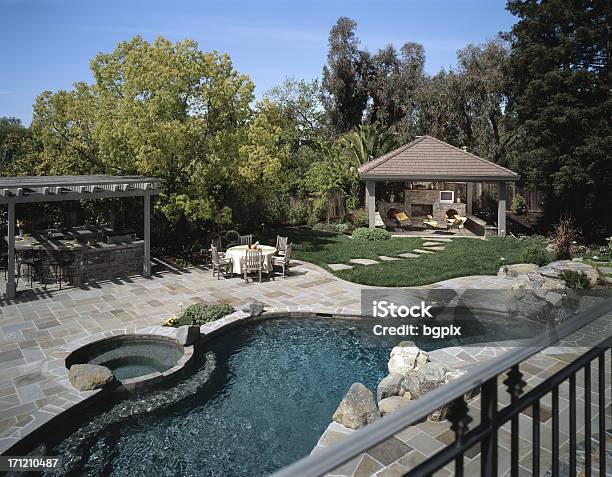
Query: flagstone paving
(41, 327)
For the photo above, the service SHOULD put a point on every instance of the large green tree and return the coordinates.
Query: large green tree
(345, 96)
(561, 96)
(164, 109)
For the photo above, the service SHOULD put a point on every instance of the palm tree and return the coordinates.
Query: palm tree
(367, 142)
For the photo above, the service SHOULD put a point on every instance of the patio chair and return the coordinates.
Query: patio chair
(220, 263)
(252, 262)
(33, 262)
(61, 264)
(403, 219)
(245, 240)
(283, 261)
(430, 223)
(281, 244)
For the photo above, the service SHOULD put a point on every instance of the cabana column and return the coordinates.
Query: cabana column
(501, 209)
(371, 202)
(11, 286)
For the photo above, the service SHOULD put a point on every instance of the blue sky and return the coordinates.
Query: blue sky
(47, 44)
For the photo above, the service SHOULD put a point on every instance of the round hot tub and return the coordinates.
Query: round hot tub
(130, 356)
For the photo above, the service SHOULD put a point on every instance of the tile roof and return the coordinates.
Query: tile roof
(428, 158)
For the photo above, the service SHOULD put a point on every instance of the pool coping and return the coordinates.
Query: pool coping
(50, 415)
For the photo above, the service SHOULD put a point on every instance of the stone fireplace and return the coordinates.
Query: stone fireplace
(423, 202)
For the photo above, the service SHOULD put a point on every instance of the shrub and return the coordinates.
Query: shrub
(536, 254)
(340, 228)
(298, 214)
(574, 279)
(519, 205)
(564, 236)
(201, 313)
(277, 211)
(371, 234)
(320, 208)
(360, 218)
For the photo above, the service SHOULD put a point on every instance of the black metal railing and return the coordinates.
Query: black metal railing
(492, 417)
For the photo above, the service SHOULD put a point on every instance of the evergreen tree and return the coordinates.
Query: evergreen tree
(560, 95)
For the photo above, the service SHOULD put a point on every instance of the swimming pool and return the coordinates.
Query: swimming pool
(260, 398)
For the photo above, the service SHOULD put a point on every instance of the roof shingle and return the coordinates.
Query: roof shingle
(428, 158)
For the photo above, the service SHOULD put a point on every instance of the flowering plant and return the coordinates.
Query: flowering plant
(173, 320)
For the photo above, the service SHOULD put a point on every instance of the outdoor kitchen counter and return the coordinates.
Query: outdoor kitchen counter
(94, 260)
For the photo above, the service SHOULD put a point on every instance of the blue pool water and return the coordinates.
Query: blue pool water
(260, 399)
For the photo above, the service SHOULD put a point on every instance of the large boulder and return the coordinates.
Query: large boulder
(87, 377)
(518, 269)
(391, 404)
(188, 334)
(389, 386)
(411, 384)
(405, 358)
(554, 270)
(358, 408)
(435, 372)
(254, 308)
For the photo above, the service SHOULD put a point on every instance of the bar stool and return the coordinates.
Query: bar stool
(62, 267)
(33, 262)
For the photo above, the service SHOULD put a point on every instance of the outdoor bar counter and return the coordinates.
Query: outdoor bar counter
(94, 258)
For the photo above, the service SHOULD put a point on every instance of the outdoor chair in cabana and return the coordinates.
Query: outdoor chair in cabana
(395, 216)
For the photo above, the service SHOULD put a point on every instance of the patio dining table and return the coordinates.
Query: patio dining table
(239, 251)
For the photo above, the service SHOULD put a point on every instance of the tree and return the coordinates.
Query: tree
(367, 142)
(344, 93)
(164, 109)
(14, 143)
(560, 94)
(392, 82)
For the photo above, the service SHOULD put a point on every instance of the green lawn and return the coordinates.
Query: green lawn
(461, 257)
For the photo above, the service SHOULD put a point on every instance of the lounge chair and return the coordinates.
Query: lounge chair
(430, 223)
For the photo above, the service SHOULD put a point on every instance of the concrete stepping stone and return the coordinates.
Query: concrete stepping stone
(408, 255)
(363, 261)
(339, 266)
(432, 244)
(434, 248)
(441, 239)
(388, 259)
(418, 250)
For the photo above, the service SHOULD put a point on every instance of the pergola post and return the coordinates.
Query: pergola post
(146, 268)
(469, 198)
(501, 208)
(11, 288)
(371, 203)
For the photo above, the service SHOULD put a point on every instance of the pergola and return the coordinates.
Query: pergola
(35, 189)
(431, 160)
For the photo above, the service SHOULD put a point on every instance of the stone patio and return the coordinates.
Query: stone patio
(41, 327)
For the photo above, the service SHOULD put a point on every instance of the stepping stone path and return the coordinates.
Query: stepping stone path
(429, 247)
(408, 255)
(339, 266)
(363, 261)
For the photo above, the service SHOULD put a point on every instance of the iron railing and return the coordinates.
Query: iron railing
(485, 377)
